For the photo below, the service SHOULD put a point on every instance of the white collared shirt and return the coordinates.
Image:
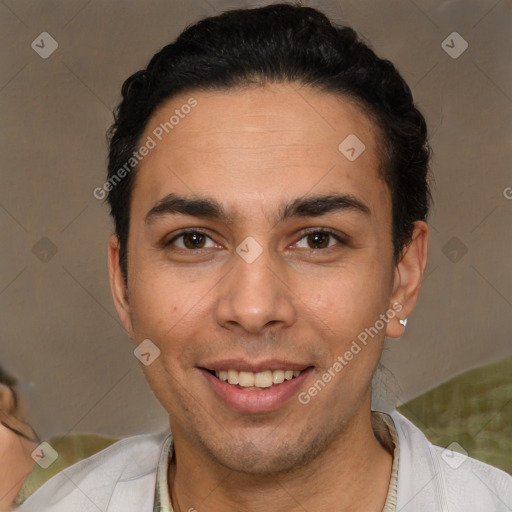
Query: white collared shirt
(124, 476)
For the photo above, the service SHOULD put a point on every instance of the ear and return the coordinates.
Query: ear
(407, 279)
(117, 285)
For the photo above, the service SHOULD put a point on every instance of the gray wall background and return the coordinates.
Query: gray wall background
(60, 334)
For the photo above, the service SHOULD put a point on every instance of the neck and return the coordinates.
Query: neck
(351, 475)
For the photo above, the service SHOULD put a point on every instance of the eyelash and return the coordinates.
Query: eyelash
(326, 231)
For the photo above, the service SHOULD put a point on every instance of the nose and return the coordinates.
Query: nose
(253, 296)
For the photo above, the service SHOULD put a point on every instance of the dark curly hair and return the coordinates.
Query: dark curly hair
(279, 43)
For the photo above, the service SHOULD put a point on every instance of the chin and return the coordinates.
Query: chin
(260, 458)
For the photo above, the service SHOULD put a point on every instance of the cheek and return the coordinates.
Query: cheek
(167, 310)
(345, 300)
(164, 303)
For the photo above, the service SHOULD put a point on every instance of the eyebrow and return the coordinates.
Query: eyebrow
(310, 206)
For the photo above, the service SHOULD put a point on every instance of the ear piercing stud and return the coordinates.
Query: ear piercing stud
(403, 322)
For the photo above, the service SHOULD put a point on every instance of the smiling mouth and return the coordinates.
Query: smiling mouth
(256, 381)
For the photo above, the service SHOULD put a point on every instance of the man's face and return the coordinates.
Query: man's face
(210, 301)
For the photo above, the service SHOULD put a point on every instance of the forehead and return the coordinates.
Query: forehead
(263, 142)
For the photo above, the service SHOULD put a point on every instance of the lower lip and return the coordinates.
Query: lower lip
(267, 399)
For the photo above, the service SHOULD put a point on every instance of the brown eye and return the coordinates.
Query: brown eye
(319, 240)
(191, 240)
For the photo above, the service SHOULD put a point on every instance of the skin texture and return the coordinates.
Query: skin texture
(254, 150)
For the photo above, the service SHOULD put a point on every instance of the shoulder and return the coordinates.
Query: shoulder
(453, 481)
(123, 472)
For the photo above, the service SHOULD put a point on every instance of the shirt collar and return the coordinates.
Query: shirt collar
(162, 498)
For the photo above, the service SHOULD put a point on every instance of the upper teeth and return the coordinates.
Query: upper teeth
(263, 379)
